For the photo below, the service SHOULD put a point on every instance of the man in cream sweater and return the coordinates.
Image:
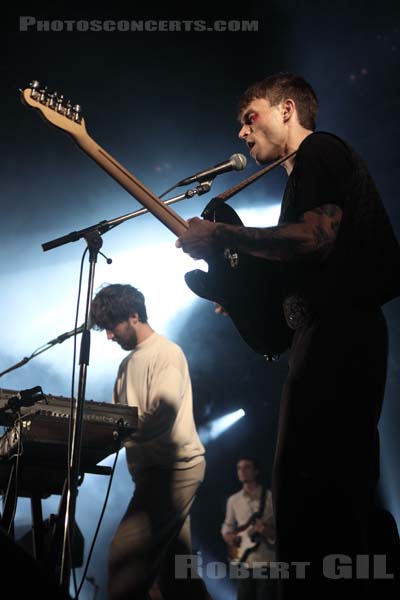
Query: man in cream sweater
(165, 455)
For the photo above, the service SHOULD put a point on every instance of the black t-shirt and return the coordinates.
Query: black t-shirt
(364, 267)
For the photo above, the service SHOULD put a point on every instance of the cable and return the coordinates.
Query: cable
(98, 527)
(167, 192)
(20, 450)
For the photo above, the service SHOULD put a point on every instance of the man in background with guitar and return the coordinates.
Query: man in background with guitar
(164, 456)
(343, 263)
(249, 531)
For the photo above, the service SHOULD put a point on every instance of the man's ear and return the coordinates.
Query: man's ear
(288, 108)
(134, 318)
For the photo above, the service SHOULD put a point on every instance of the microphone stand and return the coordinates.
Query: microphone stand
(92, 235)
(94, 243)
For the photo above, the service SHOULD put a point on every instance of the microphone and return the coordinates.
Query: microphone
(24, 398)
(64, 336)
(237, 162)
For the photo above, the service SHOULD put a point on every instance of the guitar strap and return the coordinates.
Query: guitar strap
(262, 501)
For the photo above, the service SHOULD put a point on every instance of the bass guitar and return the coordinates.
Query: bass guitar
(251, 290)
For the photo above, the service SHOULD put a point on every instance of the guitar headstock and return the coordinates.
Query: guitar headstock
(55, 109)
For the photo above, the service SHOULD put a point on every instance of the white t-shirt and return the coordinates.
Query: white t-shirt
(155, 378)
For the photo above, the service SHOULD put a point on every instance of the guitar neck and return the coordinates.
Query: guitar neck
(68, 118)
(242, 528)
(146, 197)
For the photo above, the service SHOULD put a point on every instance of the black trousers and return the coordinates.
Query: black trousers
(327, 458)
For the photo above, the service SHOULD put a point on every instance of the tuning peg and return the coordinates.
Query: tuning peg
(51, 100)
(43, 95)
(76, 114)
(59, 104)
(68, 109)
(34, 86)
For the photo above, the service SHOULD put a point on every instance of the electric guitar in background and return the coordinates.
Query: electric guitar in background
(251, 290)
(247, 540)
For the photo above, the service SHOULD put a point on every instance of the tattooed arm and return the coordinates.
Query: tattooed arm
(313, 237)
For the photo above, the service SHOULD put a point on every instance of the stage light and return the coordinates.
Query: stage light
(217, 427)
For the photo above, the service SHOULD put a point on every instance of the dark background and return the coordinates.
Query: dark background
(164, 104)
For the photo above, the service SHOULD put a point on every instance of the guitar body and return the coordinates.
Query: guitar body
(244, 545)
(250, 289)
(247, 541)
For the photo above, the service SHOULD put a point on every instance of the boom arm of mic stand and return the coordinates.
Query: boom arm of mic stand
(26, 359)
(201, 189)
(104, 226)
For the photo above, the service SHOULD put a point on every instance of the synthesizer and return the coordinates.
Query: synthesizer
(39, 432)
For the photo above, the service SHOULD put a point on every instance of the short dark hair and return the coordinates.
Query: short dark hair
(116, 303)
(279, 87)
(252, 459)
